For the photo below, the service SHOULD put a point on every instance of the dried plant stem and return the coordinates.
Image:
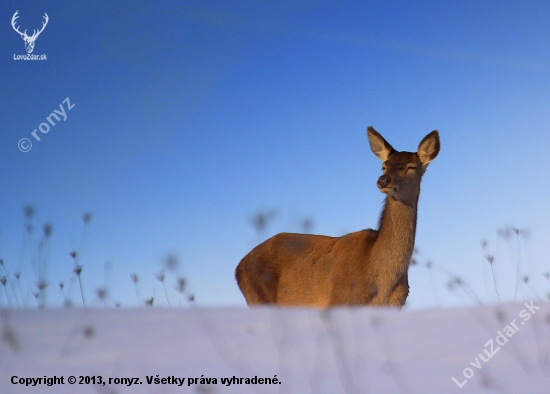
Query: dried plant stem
(495, 283)
(166, 294)
(429, 266)
(526, 281)
(18, 281)
(137, 294)
(517, 265)
(81, 291)
(483, 246)
(460, 283)
(7, 296)
(62, 289)
(10, 282)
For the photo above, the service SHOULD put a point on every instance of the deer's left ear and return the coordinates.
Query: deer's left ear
(429, 147)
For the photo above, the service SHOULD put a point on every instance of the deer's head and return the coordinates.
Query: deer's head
(29, 40)
(403, 170)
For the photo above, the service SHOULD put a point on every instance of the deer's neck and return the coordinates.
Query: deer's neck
(395, 242)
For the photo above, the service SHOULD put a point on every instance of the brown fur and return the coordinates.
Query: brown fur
(364, 267)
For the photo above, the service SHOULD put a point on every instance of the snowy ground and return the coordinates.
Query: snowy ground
(359, 350)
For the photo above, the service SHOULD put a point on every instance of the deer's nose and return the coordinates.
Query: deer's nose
(384, 181)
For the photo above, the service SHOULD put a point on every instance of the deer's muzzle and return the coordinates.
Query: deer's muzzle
(384, 181)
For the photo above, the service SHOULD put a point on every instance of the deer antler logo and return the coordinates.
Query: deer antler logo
(29, 41)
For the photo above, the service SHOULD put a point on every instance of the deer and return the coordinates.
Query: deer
(368, 267)
(29, 40)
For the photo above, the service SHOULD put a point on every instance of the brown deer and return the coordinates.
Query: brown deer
(364, 267)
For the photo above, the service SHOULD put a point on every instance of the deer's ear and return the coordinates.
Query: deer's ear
(379, 146)
(429, 147)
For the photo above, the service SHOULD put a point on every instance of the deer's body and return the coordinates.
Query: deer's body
(364, 267)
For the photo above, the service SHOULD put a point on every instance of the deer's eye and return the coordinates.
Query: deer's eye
(411, 168)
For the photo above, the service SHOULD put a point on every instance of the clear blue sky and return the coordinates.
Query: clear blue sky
(189, 117)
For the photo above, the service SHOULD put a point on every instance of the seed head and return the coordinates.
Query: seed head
(307, 225)
(88, 332)
(160, 276)
(500, 315)
(47, 230)
(171, 262)
(180, 287)
(101, 293)
(41, 285)
(376, 322)
(28, 211)
(86, 217)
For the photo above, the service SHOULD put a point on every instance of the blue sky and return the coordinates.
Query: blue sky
(191, 117)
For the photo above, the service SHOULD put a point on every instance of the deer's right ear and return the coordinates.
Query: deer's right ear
(429, 148)
(379, 146)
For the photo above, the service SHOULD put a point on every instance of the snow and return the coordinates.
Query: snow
(341, 350)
